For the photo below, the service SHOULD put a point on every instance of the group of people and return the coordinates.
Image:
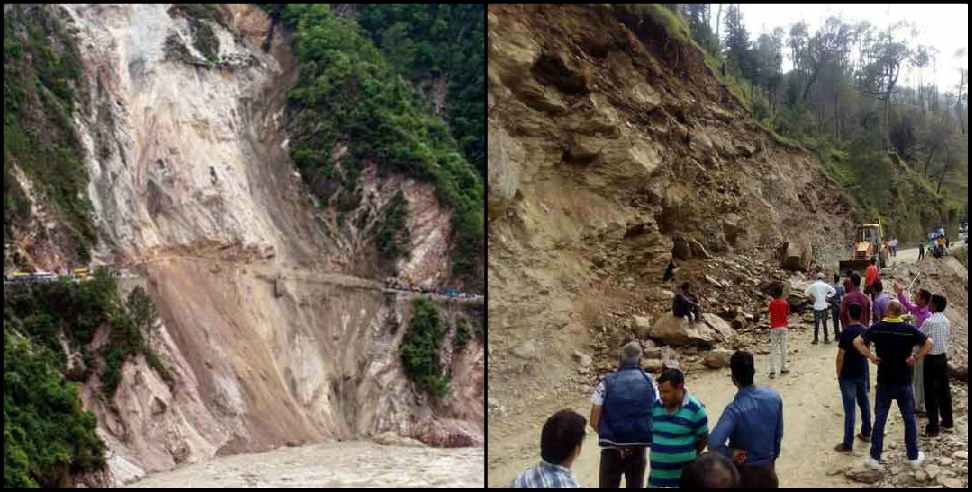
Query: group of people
(641, 421)
(632, 413)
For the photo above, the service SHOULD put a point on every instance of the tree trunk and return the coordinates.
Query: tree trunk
(718, 25)
(928, 161)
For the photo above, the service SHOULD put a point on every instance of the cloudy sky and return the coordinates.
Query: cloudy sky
(945, 27)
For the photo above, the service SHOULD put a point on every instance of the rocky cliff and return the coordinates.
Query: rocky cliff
(272, 321)
(612, 146)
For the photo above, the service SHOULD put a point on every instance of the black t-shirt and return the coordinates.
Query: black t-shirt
(854, 362)
(893, 343)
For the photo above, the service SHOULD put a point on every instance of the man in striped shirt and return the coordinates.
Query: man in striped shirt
(680, 430)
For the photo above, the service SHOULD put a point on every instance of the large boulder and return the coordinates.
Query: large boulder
(679, 332)
(718, 358)
(641, 325)
(796, 255)
(681, 248)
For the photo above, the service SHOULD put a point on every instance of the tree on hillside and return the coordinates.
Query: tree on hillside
(737, 40)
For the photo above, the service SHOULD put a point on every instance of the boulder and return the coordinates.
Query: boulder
(932, 471)
(951, 483)
(698, 250)
(863, 474)
(652, 365)
(961, 455)
(958, 371)
(723, 332)
(641, 325)
(796, 255)
(679, 332)
(526, 350)
(798, 302)
(717, 359)
(583, 359)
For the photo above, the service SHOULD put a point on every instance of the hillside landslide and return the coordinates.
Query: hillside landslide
(273, 323)
(613, 147)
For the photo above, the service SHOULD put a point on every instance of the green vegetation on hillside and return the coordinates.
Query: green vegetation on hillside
(47, 436)
(901, 152)
(349, 96)
(42, 86)
(420, 349)
(392, 233)
(426, 42)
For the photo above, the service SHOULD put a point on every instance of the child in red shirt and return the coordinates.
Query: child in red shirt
(779, 309)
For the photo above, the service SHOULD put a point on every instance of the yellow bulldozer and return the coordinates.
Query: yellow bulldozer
(868, 243)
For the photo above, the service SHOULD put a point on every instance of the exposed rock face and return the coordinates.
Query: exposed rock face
(611, 145)
(270, 325)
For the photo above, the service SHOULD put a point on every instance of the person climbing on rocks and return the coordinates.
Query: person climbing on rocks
(621, 409)
(685, 304)
(670, 271)
(820, 291)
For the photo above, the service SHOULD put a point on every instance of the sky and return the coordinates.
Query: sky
(944, 26)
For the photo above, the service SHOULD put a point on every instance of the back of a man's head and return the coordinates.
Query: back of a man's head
(742, 367)
(561, 434)
(710, 471)
(856, 279)
(894, 308)
(631, 353)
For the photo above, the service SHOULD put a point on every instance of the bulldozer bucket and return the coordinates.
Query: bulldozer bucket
(853, 265)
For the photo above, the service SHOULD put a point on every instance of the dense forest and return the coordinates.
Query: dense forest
(374, 111)
(897, 149)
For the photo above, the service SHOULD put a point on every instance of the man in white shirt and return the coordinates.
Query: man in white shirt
(820, 291)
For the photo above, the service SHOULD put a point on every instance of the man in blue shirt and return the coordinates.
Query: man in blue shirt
(851, 375)
(753, 425)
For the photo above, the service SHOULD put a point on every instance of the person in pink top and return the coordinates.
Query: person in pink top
(921, 312)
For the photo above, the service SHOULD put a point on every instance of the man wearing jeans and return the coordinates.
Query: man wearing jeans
(893, 341)
(851, 378)
(820, 291)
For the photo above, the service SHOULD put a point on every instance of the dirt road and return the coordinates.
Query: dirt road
(813, 418)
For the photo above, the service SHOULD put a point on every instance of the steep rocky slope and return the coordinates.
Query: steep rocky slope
(611, 143)
(272, 321)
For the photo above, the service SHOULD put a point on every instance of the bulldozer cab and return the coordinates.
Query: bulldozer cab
(867, 244)
(870, 233)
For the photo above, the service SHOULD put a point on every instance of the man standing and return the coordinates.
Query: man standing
(921, 313)
(855, 296)
(779, 310)
(893, 341)
(560, 445)
(921, 250)
(835, 304)
(680, 430)
(753, 425)
(621, 409)
(879, 301)
(871, 274)
(937, 391)
(820, 291)
(850, 378)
